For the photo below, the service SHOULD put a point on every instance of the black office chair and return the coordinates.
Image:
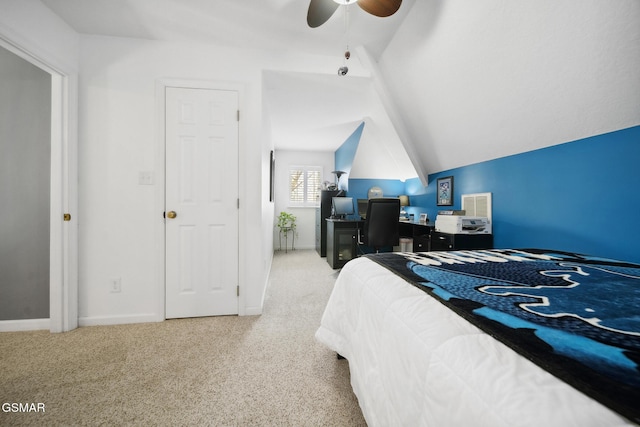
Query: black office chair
(381, 224)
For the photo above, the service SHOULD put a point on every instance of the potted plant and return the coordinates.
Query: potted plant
(286, 222)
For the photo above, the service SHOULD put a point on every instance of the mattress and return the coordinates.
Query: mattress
(415, 362)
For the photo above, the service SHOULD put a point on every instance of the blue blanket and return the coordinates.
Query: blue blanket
(576, 316)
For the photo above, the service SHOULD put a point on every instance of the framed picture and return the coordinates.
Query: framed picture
(444, 191)
(272, 176)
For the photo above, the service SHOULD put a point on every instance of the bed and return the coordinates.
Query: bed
(434, 338)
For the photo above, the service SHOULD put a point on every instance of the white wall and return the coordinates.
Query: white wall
(122, 221)
(117, 218)
(33, 28)
(305, 217)
(483, 79)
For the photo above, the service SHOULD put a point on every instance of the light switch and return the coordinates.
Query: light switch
(145, 178)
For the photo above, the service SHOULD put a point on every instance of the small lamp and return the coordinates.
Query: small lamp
(404, 201)
(338, 174)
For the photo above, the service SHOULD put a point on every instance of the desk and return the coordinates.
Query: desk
(342, 238)
(342, 241)
(420, 232)
(455, 242)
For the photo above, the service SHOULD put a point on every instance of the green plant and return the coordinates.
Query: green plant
(286, 220)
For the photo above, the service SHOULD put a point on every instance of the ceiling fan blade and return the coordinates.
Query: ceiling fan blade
(381, 8)
(320, 11)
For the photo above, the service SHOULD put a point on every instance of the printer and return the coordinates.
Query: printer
(460, 224)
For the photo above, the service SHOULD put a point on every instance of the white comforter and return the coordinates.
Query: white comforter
(414, 362)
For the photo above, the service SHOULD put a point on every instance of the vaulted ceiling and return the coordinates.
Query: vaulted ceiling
(262, 24)
(306, 111)
(465, 81)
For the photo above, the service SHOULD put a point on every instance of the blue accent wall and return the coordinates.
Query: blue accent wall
(581, 196)
(346, 153)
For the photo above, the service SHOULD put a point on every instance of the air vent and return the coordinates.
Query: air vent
(478, 204)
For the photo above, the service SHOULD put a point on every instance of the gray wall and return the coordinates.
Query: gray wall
(25, 153)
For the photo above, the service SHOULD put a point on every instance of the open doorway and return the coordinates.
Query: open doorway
(25, 171)
(38, 287)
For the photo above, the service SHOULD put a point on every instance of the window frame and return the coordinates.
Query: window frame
(305, 191)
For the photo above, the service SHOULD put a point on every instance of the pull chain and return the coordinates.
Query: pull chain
(342, 71)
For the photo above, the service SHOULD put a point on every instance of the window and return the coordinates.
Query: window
(304, 185)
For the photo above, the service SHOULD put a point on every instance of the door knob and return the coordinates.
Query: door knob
(172, 214)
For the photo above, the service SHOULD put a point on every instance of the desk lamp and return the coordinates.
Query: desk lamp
(404, 201)
(338, 174)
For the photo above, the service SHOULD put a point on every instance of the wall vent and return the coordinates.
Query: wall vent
(478, 204)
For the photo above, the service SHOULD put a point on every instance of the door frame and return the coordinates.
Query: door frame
(161, 85)
(63, 246)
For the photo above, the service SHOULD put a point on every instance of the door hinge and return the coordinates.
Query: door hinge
(238, 290)
(66, 217)
(238, 203)
(238, 116)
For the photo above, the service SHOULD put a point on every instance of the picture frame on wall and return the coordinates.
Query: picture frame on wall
(272, 176)
(444, 191)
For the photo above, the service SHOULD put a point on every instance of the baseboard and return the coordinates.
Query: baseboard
(255, 311)
(252, 311)
(24, 325)
(119, 320)
(297, 248)
(45, 324)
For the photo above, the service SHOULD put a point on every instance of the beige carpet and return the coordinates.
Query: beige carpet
(221, 371)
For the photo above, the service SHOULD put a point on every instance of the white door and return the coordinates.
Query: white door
(201, 202)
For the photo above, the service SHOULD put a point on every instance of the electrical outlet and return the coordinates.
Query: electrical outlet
(115, 285)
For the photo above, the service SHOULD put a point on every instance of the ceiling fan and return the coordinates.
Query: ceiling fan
(321, 10)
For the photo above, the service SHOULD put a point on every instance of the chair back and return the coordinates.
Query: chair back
(381, 224)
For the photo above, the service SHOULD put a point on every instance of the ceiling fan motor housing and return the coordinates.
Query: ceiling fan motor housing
(321, 10)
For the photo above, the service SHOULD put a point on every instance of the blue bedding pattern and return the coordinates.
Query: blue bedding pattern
(576, 316)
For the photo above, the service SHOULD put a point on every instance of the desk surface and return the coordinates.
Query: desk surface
(424, 224)
(428, 223)
(344, 220)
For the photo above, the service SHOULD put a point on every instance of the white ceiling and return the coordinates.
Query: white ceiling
(267, 24)
(333, 106)
(493, 78)
(315, 111)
